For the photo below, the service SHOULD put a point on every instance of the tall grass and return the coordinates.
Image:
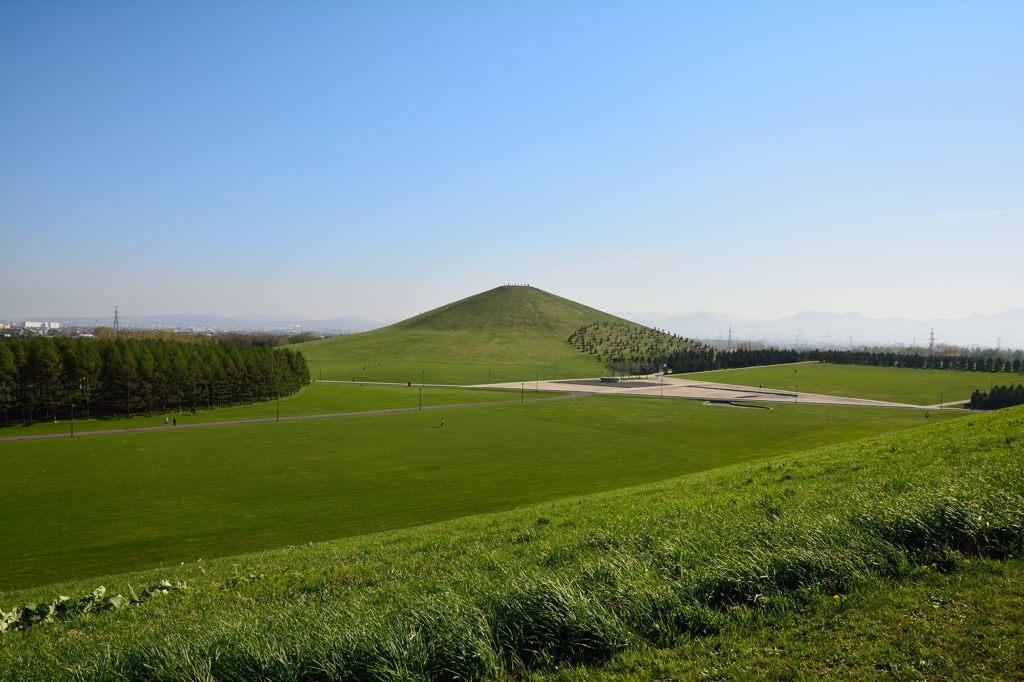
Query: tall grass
(573, 582)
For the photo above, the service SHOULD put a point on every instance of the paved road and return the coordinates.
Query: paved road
(331, 415)
(672, 387)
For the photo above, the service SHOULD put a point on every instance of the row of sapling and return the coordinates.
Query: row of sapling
(40, 378)
(703, 358)
(997, 398)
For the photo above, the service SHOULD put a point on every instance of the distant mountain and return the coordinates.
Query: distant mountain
(840, 329)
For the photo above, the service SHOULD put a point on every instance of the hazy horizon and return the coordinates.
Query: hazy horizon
(326, 160)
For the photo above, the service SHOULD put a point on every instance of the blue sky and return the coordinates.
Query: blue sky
(328, 158)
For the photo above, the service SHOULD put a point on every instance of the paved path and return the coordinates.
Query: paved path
(330, 415)
(672, 387)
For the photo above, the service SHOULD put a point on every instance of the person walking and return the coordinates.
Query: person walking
(175, 421)
(165, 421)
(442, 422)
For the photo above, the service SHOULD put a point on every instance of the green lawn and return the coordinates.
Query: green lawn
(896, 384)
(889, 556)
(317, 398)
(119, 502)
(346, 365)
(385, 357)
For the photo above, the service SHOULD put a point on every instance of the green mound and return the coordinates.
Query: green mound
(510, 333)
(568, 583)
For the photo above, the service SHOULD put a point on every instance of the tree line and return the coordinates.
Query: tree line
(705, 358)
(41, 377)
(999, 396)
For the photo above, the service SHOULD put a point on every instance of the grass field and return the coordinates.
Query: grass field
(506, 334)
(317, 398)
(695, 564)
(896, 384)
(120, 502)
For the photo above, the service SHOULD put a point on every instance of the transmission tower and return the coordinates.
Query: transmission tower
(931, 340)
(729, 347)
(117, 324)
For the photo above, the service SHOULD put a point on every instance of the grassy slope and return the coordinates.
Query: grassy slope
(325, 398)
(118, 502)
(505, 334)
(959, 625)
(577, 581)
(914, 386)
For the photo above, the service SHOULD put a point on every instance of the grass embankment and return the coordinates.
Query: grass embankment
(896, 384)
(961, 624)
(120, 502)
(317, 398)
(505, 334)
(573, 582)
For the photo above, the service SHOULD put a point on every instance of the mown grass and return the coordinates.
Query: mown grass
(505, 334)
(317, 398)
(896, 384)
(118, 502)
(575, 582)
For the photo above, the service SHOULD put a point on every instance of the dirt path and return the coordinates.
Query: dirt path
(266, 420)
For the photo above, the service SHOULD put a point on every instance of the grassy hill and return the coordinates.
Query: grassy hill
(680, 565)
(510, 333)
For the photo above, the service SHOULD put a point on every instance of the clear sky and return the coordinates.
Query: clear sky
(381, 158)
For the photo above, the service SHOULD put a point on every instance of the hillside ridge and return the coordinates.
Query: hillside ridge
(509, 308)
(508, 333)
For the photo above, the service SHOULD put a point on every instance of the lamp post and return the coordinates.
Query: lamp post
(421, 398)
(663, 387)
(940, 401)
(72, 418)
(423, 377)
(537, 385)
(278, 396)
(522, 387)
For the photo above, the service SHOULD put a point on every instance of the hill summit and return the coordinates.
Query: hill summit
(509, 333)
(520, 309)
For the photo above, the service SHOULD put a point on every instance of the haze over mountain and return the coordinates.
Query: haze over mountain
(812, 327)
(838, 329)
